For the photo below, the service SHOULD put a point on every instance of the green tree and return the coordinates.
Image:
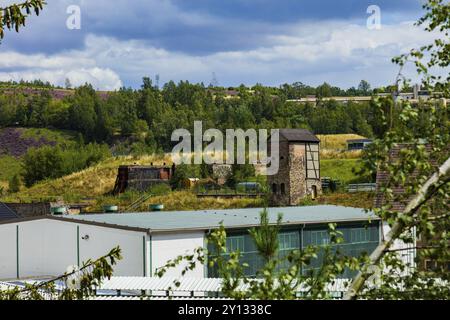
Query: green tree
(49, 162)
(80, 284)
(421, 170)
(82, 111)
(183, 172)
(14, 184)
(364, 88)
(280, 276)
(240, 173)
(324, 91)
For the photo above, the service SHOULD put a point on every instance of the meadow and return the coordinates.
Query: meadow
(94, 184)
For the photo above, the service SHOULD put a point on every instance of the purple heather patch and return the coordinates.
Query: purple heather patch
(12, 142)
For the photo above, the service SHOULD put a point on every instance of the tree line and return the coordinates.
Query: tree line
(143, 120)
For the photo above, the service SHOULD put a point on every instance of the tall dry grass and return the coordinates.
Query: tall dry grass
(337, 141)
(334, 146)
(92, 182)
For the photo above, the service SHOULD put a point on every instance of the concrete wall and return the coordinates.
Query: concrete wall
(168, 246)
(48, 247)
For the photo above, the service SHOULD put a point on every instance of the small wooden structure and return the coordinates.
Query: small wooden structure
(141, 178)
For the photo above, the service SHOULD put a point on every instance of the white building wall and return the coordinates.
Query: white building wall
(102, 240)
(169, 246)
(406, 251)
(8, 251)
(48, 247)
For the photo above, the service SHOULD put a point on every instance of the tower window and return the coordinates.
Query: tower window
(283, 188)
(274, 188)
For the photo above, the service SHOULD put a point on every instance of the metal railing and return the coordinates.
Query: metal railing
(362, 187)
(136, 204)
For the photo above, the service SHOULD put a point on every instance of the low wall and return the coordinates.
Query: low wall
(30, 209)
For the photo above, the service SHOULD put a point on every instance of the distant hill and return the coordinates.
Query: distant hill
(91, 182)
(15, 142)
(55, 93)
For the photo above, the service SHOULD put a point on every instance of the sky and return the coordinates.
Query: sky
(239, 41)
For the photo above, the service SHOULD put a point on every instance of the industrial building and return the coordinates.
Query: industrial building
(141, 178)
(299, 174)
(47, 246)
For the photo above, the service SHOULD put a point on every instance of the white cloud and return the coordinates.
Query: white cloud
(333, 51)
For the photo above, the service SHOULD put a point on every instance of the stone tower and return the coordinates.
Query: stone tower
(299, 170)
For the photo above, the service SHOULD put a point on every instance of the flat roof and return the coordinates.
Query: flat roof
(231, 218)
(299, 135)
(359, 140)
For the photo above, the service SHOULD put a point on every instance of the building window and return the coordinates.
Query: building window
(320, 238)
(314, 192)
(430, 265)
(283, 188)
(289, 241)
(235, 243)
(358, 235)
(274, 188)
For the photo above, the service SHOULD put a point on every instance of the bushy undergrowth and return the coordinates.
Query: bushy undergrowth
(54, 162)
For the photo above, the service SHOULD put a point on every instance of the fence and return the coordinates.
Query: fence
(362, 187)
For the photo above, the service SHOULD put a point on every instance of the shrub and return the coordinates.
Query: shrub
(54, 162)
(14, 184)
(160, 189)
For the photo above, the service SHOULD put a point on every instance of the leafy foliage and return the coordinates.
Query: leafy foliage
(148, 116)
(14, 15)
(280, 277)
(14, 184)
(54, 162)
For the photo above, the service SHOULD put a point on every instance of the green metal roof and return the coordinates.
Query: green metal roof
(232, 218)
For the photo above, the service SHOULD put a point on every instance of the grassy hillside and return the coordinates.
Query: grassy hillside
(343, 169)
(93, 184)
(14, 143)
(52, 135)
(178, 200)
(9, 166)
(89, 183)
(354, 200)
(337, 141)
(334, 146)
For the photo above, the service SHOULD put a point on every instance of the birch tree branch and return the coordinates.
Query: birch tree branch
(425, 192)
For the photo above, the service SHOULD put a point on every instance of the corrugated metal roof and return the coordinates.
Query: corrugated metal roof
(138, 298)
(232, 218)
(197, 285)
(162, 284)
